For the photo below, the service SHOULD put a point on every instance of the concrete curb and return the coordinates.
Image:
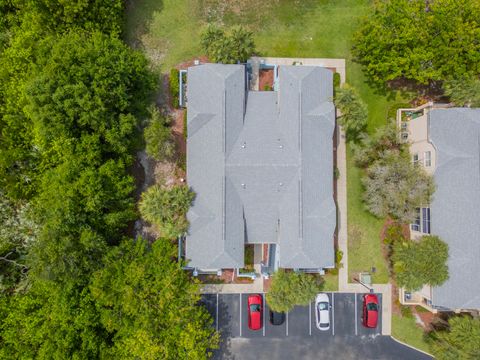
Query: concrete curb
(412, 347)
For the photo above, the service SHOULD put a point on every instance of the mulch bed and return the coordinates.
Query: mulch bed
(265, 79)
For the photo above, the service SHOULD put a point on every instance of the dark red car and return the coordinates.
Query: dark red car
(255, 311)
(370, 310)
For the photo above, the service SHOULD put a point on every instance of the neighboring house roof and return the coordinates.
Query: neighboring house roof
(455, 133)
(261, 164)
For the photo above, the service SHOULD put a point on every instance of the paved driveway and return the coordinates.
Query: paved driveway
(298, 337)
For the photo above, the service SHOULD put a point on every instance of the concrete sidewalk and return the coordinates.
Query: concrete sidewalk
(343, 280)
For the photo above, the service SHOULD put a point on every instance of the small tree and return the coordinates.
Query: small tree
(354, 114)
(464, 92)
(291, 288)
(167, 208)
(158, 137)
(460, 341)
(418, 263)
(228, 48)
(174, 83)
(395, 187)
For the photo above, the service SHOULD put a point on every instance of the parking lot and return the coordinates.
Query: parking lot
(298, 337)
(230, 315)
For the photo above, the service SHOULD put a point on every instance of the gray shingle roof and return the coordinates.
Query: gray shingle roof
(455, 133)
(261, 165)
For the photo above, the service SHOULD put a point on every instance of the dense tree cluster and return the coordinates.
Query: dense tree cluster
(230, 47)
(421, 41)
(73, 99)
(461, 339)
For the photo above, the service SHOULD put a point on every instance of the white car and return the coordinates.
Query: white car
(322, 311)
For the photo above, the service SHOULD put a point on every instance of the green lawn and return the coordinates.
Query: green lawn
(331, 282)
(169, 33)
(405, 329)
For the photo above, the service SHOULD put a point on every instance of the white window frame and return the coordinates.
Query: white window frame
(427, 157)
(422, 223)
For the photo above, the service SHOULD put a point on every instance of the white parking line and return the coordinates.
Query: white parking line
(263, 297)
(310, 319)
(240, 295)
(287, 326)
(216, 316)
(356, 330)
(333, 313)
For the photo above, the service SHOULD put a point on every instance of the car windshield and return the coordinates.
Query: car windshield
(323, 325)
(254, 307)
(323, 306)
(372, 307)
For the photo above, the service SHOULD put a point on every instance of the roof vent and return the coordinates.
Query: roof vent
(244, 186)
(244, 145)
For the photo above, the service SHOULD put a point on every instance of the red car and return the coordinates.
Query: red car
(370, 310)
(255, 311)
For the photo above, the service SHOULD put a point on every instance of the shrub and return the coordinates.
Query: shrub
(392, 110)
(406, 311)
(185, 125)
(167, 209)
(228, 47)
(418, 263)
(174, 87)
(463, 92)
(354, 112)
(336, 80)
(158, 137)
(289, 288)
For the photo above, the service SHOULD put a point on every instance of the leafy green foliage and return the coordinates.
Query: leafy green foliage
(174, 82)
(463, 92)
(51, 322)
(158, 136)
(96, 86)
(386, 139)
(57, 16)
(460, 341)
(420, 41)
(167, 208)
(289, 288)
(395, 187)
(354, 114)
(417, 263)
(228, 48)
(148, 304)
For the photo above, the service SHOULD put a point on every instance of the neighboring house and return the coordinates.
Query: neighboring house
(446, 141)
(261, 165)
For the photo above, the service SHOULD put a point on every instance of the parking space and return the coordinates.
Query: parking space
(230, 314)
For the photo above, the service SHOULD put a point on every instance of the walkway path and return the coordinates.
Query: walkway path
(343, 278)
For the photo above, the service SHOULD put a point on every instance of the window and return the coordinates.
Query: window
(422, 221)
(426, 220)
(415, 158)
(372, 307)
(428, 158)
(255, 308)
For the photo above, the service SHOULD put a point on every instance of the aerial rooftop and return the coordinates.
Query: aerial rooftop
(455, 134)
(261, 165)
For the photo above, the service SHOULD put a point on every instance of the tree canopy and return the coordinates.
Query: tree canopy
(230, 47)
(158, 136)
(396, 187)
(148, 304)
(289, 288)
(460, 341)
(354, 113)
(464, 92)
(167, 208)
(422, 262)
(421, 41)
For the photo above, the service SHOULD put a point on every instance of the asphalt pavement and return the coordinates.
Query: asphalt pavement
(298, 337)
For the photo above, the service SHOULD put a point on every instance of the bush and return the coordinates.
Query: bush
(336, 80)
(167, 209)
(228, 47)
(291, 288)
(158, 137)
(406, 311)
(353, 110)
(464, 92)
(418, 263)
(185, 125)
(174, 87)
